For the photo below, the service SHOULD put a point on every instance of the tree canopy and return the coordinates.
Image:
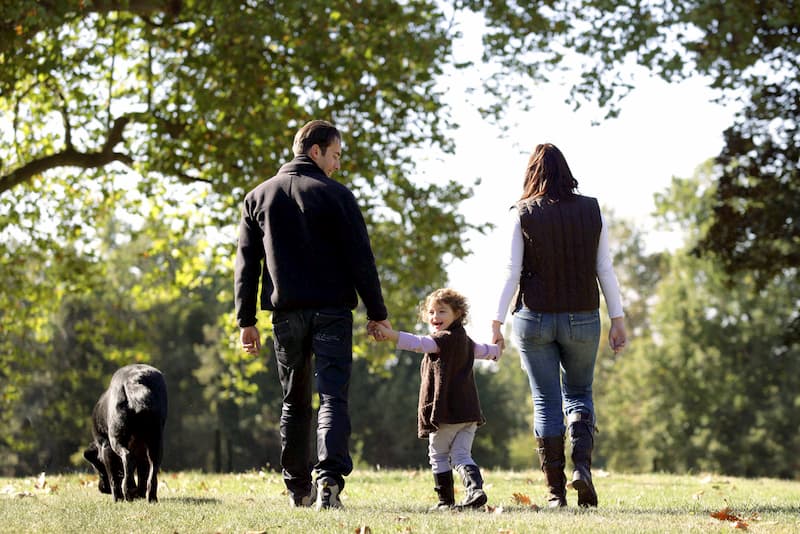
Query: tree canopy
(197, 90)
(131, 129)
(747, 50)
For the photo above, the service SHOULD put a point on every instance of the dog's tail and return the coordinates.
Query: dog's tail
(140, 397)
(147, 392)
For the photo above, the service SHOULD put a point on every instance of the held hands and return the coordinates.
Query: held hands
(497, 336)
(381, 330)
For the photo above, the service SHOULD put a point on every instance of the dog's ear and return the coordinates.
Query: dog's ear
(92, 455)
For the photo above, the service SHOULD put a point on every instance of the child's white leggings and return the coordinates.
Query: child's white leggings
(451, 446)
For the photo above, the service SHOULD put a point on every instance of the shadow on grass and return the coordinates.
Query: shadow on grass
(197, 501)
(752, 508)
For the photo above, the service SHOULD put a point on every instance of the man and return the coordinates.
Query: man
(304, 234)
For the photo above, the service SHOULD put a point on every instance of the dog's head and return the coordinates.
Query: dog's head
(94, 454)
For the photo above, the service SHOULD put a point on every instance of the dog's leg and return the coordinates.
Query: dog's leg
(154, 453)
(108, 457)
(142, 473)
(128, 468)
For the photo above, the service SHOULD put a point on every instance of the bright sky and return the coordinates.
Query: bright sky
(663, 130)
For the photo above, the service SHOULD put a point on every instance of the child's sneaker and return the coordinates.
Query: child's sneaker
(327, 494)
(305, 500)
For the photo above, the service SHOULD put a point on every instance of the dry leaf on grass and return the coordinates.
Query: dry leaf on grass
(521, 498)
(726, 514)
(363, 530)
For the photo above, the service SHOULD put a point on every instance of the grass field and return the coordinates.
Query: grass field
(397, 501)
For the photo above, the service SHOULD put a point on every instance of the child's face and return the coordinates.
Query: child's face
(440, 316)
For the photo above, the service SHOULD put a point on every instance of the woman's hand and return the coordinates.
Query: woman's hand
(497, 336)
(616, 335)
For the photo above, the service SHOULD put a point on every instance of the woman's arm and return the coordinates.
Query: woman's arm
(617, 336)
(606, 275)
(512, 268)
(511, 274)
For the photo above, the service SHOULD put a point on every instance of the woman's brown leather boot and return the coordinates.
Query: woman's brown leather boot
(553, 461)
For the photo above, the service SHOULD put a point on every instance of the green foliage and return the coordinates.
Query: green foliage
(713, 384)
(130, 134)
(747, 50)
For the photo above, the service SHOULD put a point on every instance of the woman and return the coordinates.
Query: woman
(559, 250)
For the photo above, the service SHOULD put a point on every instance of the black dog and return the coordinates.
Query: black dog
(128, 433)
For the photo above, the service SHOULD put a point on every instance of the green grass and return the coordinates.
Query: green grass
(396, 502)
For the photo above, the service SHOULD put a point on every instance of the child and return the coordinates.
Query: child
(449, 409)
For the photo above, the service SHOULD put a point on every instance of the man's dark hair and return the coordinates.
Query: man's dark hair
(316, 132)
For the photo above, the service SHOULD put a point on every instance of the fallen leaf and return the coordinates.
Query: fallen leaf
(740, 525)
(520, 498)
(363, 530)
(401, 518)
(535, 507)
(726, 514)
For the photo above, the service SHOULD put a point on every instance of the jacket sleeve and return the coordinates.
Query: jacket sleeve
(363, 268)
(247, 267)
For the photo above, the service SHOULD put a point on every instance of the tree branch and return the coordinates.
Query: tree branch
(69, 157)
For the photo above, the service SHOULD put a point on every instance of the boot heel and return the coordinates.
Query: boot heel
(587, 496)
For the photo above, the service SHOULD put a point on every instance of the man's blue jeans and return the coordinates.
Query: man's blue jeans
(558, 351)
(328, 335)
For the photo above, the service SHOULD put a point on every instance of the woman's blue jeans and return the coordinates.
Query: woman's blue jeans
(558, 351)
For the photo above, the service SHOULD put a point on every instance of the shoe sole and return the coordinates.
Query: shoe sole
(587, 497)
(477, 503)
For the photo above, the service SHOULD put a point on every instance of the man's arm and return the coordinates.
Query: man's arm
(247, 269)
(363, 268)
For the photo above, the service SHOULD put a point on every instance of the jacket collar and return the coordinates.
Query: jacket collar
(304, 165)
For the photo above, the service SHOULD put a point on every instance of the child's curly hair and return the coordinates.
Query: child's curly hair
(457, 302)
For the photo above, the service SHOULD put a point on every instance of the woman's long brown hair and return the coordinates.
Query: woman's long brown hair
(548, 174)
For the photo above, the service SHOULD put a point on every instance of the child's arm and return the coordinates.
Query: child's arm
(382, 332)
(487, 351)
(422, 344)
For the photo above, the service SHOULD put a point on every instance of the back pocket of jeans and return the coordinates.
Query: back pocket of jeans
(584, 326)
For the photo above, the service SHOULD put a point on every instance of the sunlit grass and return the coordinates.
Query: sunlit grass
(398, 501)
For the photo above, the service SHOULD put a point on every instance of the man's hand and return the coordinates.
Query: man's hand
(373, 329)
(251, 340)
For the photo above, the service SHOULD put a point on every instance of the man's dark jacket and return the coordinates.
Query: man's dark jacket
(308, 232)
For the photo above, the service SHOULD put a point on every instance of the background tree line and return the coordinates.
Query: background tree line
(131, 130)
